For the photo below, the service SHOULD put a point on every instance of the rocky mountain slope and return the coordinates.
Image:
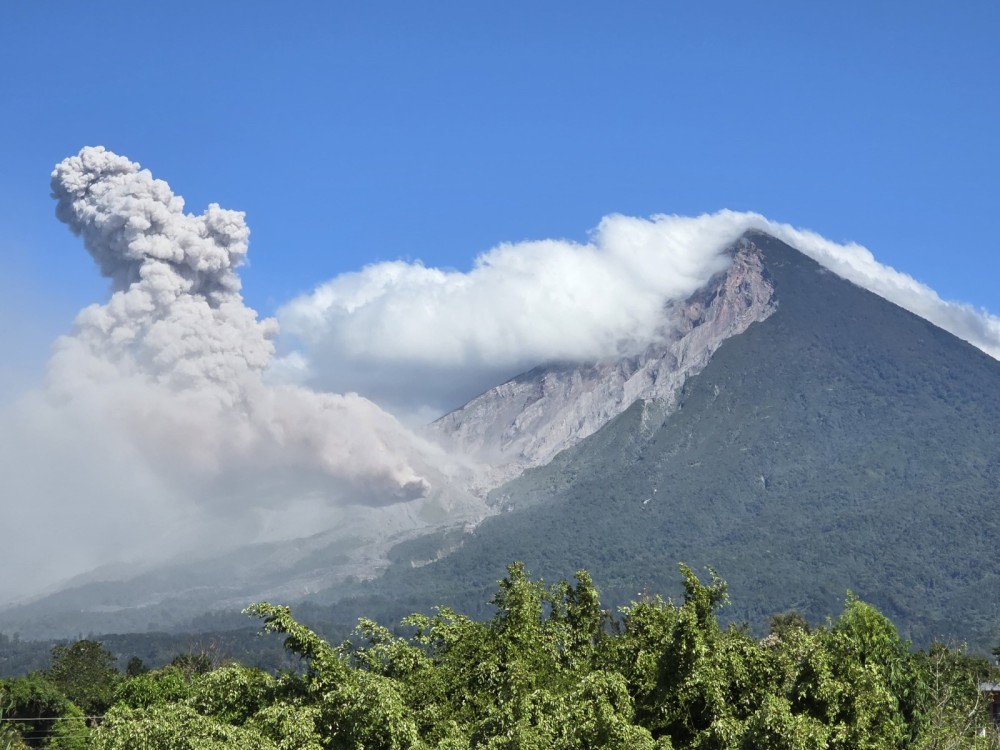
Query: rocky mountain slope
(526, 421)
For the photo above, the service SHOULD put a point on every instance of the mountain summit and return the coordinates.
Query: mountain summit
(837, 443)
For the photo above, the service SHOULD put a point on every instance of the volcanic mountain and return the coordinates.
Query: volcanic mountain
(803, 436)
(527, 421)
(836, 443)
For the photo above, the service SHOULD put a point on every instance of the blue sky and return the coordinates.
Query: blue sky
(356, 132)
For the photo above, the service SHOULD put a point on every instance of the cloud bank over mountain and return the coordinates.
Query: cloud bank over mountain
(410, 336)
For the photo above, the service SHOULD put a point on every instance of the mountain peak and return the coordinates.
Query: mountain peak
(842, 443)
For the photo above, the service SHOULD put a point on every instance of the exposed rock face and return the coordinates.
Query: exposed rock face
(526, 421)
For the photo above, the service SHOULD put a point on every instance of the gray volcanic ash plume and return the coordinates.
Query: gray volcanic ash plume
(175, 315)
(156, 432)
(180, 354)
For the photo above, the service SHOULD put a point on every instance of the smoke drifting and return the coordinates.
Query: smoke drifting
(156, 431)
(178, 357)
(409, 336)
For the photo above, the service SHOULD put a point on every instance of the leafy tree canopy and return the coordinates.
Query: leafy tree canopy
(552, 670)
(86, 674)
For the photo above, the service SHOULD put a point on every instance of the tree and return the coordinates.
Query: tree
(356, 708)
(10, 738)
(167, 685)
(676, 658)
(952, 710)
(193, 664)
(43, 716)
(547, 672)
(876, 669)
(135, 667)
(782, 624)
(173, 726)
(86, 674)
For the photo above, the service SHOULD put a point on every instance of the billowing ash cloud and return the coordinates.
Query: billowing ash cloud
(177, 357)
(175, 317)
(407, 335)
(156, 431)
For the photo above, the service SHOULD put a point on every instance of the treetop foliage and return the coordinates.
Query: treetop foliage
(553, 670)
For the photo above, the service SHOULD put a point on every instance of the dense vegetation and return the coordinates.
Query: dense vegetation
(551, 669)
(18, 656)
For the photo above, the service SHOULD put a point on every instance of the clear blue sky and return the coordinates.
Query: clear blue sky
(359, 131)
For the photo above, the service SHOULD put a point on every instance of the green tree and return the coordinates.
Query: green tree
(880, 688)
(601, 714)
(671, 656)
(233, 706)
(548, 672)
(43, 716)
(167, 685)
(953, 713)
(173, 726)
(192, 664)
(135, 667)
(232, 693)
(86, 674)
(10, 738)
(782, 624)
(356, 708)
(512, 681)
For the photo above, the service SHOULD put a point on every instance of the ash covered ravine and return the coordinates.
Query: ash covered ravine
(526, 421)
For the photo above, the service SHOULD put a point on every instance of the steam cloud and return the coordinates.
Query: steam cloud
(411, 336)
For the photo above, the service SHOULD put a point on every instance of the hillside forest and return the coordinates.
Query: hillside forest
(551, 669)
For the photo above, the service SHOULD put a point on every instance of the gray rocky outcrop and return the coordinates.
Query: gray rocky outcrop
(526, 421)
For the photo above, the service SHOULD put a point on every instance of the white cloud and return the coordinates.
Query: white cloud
(407, 335)
(410, 336)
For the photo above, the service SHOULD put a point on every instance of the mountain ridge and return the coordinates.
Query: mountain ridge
(842, 444)
(529, 419)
